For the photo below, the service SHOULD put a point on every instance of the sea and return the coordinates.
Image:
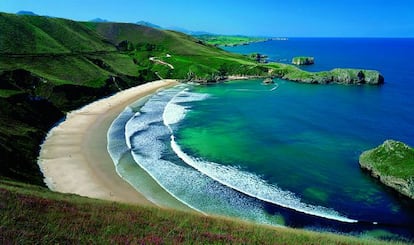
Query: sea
(284, 154)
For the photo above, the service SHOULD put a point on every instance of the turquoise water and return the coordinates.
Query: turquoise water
(301, 138)
(283, 156)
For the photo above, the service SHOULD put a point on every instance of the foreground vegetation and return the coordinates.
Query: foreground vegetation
(32, 214)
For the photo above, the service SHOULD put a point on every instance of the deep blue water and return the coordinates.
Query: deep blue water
(287, 156)
(391, 57)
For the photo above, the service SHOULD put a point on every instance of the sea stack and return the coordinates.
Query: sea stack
(268, 81)
(392, 163)
(302, 60)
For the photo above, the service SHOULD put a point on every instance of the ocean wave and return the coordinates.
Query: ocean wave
(206, 187)
(147, 135)
(252, 185)
(235, 178)
(115, 136)
(174, 112)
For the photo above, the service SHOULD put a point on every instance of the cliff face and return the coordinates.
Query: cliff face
(303, 60)
(392, 163)
(338, 76)
(355, 76)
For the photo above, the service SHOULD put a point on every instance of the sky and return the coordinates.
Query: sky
(270, 18)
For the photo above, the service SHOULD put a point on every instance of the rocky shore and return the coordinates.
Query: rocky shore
(337, 76)
(303, 60)
(392, 163)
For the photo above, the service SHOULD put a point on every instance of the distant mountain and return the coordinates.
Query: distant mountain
(23, 12)
(188, 32)
(98, 20)
(148, 24)
(173, 28)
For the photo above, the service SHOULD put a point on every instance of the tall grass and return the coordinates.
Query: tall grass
(32, 214)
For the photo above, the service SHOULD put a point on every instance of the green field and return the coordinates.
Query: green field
(225, 40)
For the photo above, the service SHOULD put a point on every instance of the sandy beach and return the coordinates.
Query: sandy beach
(74, 157)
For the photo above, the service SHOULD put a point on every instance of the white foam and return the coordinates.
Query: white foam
(203, 186)
(242, 181)
(252, 185)
(116, 145)
(174, 111)
(188, 185)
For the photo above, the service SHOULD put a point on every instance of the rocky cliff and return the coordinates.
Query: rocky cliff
(303, 60)
(338, 76)
(392, 163)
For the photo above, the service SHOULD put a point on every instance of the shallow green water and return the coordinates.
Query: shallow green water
(305, 139)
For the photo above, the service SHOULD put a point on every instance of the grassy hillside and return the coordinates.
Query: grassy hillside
(32, 214)
(187, 54)
(226, 40)
(38, 35)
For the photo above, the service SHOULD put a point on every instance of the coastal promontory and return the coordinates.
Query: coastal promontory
(335, 76)
(392, 163)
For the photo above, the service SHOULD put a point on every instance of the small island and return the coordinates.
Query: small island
(268, 81)
(303, 60)
(392, 163)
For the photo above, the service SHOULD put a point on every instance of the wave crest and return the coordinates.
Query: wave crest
(235, 178)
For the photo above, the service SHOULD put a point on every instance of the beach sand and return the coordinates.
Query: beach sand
(74, 157)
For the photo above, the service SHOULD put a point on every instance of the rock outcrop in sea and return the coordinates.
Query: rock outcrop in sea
(392, 163)
(338, 76)
(303, 60)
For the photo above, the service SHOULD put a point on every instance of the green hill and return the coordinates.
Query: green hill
(49, 66)
(39, 35)
(225, 40)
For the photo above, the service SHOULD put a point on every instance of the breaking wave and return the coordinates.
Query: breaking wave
(233, 177)
(207, 187)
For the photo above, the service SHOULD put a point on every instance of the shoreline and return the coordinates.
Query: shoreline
(74, 157)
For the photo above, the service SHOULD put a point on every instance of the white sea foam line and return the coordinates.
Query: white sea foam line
(132, 127)
(255, 186)
(116, 146)
(174, 113)
(190, 183)
(275, 87)
(143, 166)
(155, 166)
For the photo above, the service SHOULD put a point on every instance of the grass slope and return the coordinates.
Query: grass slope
(32, 214)
(226, 40)
(187, 54)
(38, 35)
